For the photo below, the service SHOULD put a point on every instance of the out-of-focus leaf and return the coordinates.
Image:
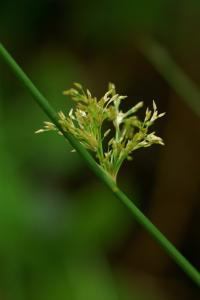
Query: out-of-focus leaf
(107, 21)
(81, 278)
(101, 220)
(54, 72)
(174, 75)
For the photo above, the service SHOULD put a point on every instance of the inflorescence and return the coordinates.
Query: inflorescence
(87, 122)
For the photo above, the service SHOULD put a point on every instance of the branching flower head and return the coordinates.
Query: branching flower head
(86, 123)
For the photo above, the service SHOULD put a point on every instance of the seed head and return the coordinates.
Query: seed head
(127, 133)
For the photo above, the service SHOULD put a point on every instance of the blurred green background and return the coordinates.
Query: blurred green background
(62, 234)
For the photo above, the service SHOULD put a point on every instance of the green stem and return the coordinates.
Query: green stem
(100, 146)
(169, 248)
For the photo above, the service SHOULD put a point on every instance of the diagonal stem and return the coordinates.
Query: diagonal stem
(169, 248)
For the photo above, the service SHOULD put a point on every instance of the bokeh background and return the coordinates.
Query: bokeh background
(62, 233)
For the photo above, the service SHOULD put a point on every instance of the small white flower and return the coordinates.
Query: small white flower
(134, 109)
(161, 115)
(154, 105)
(89, 94)
(82, 113)
(119, 119)
(147, 115)
(40, 130)
(152, 138)
(71, 114)
(106, 96)
(61, 116)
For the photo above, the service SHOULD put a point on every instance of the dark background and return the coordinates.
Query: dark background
(62, 233)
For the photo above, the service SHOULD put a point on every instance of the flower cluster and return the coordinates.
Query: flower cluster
(86, 123)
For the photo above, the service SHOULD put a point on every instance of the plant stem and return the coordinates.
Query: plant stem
(169, 248)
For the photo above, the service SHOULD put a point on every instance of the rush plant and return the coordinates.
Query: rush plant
(103, 175)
